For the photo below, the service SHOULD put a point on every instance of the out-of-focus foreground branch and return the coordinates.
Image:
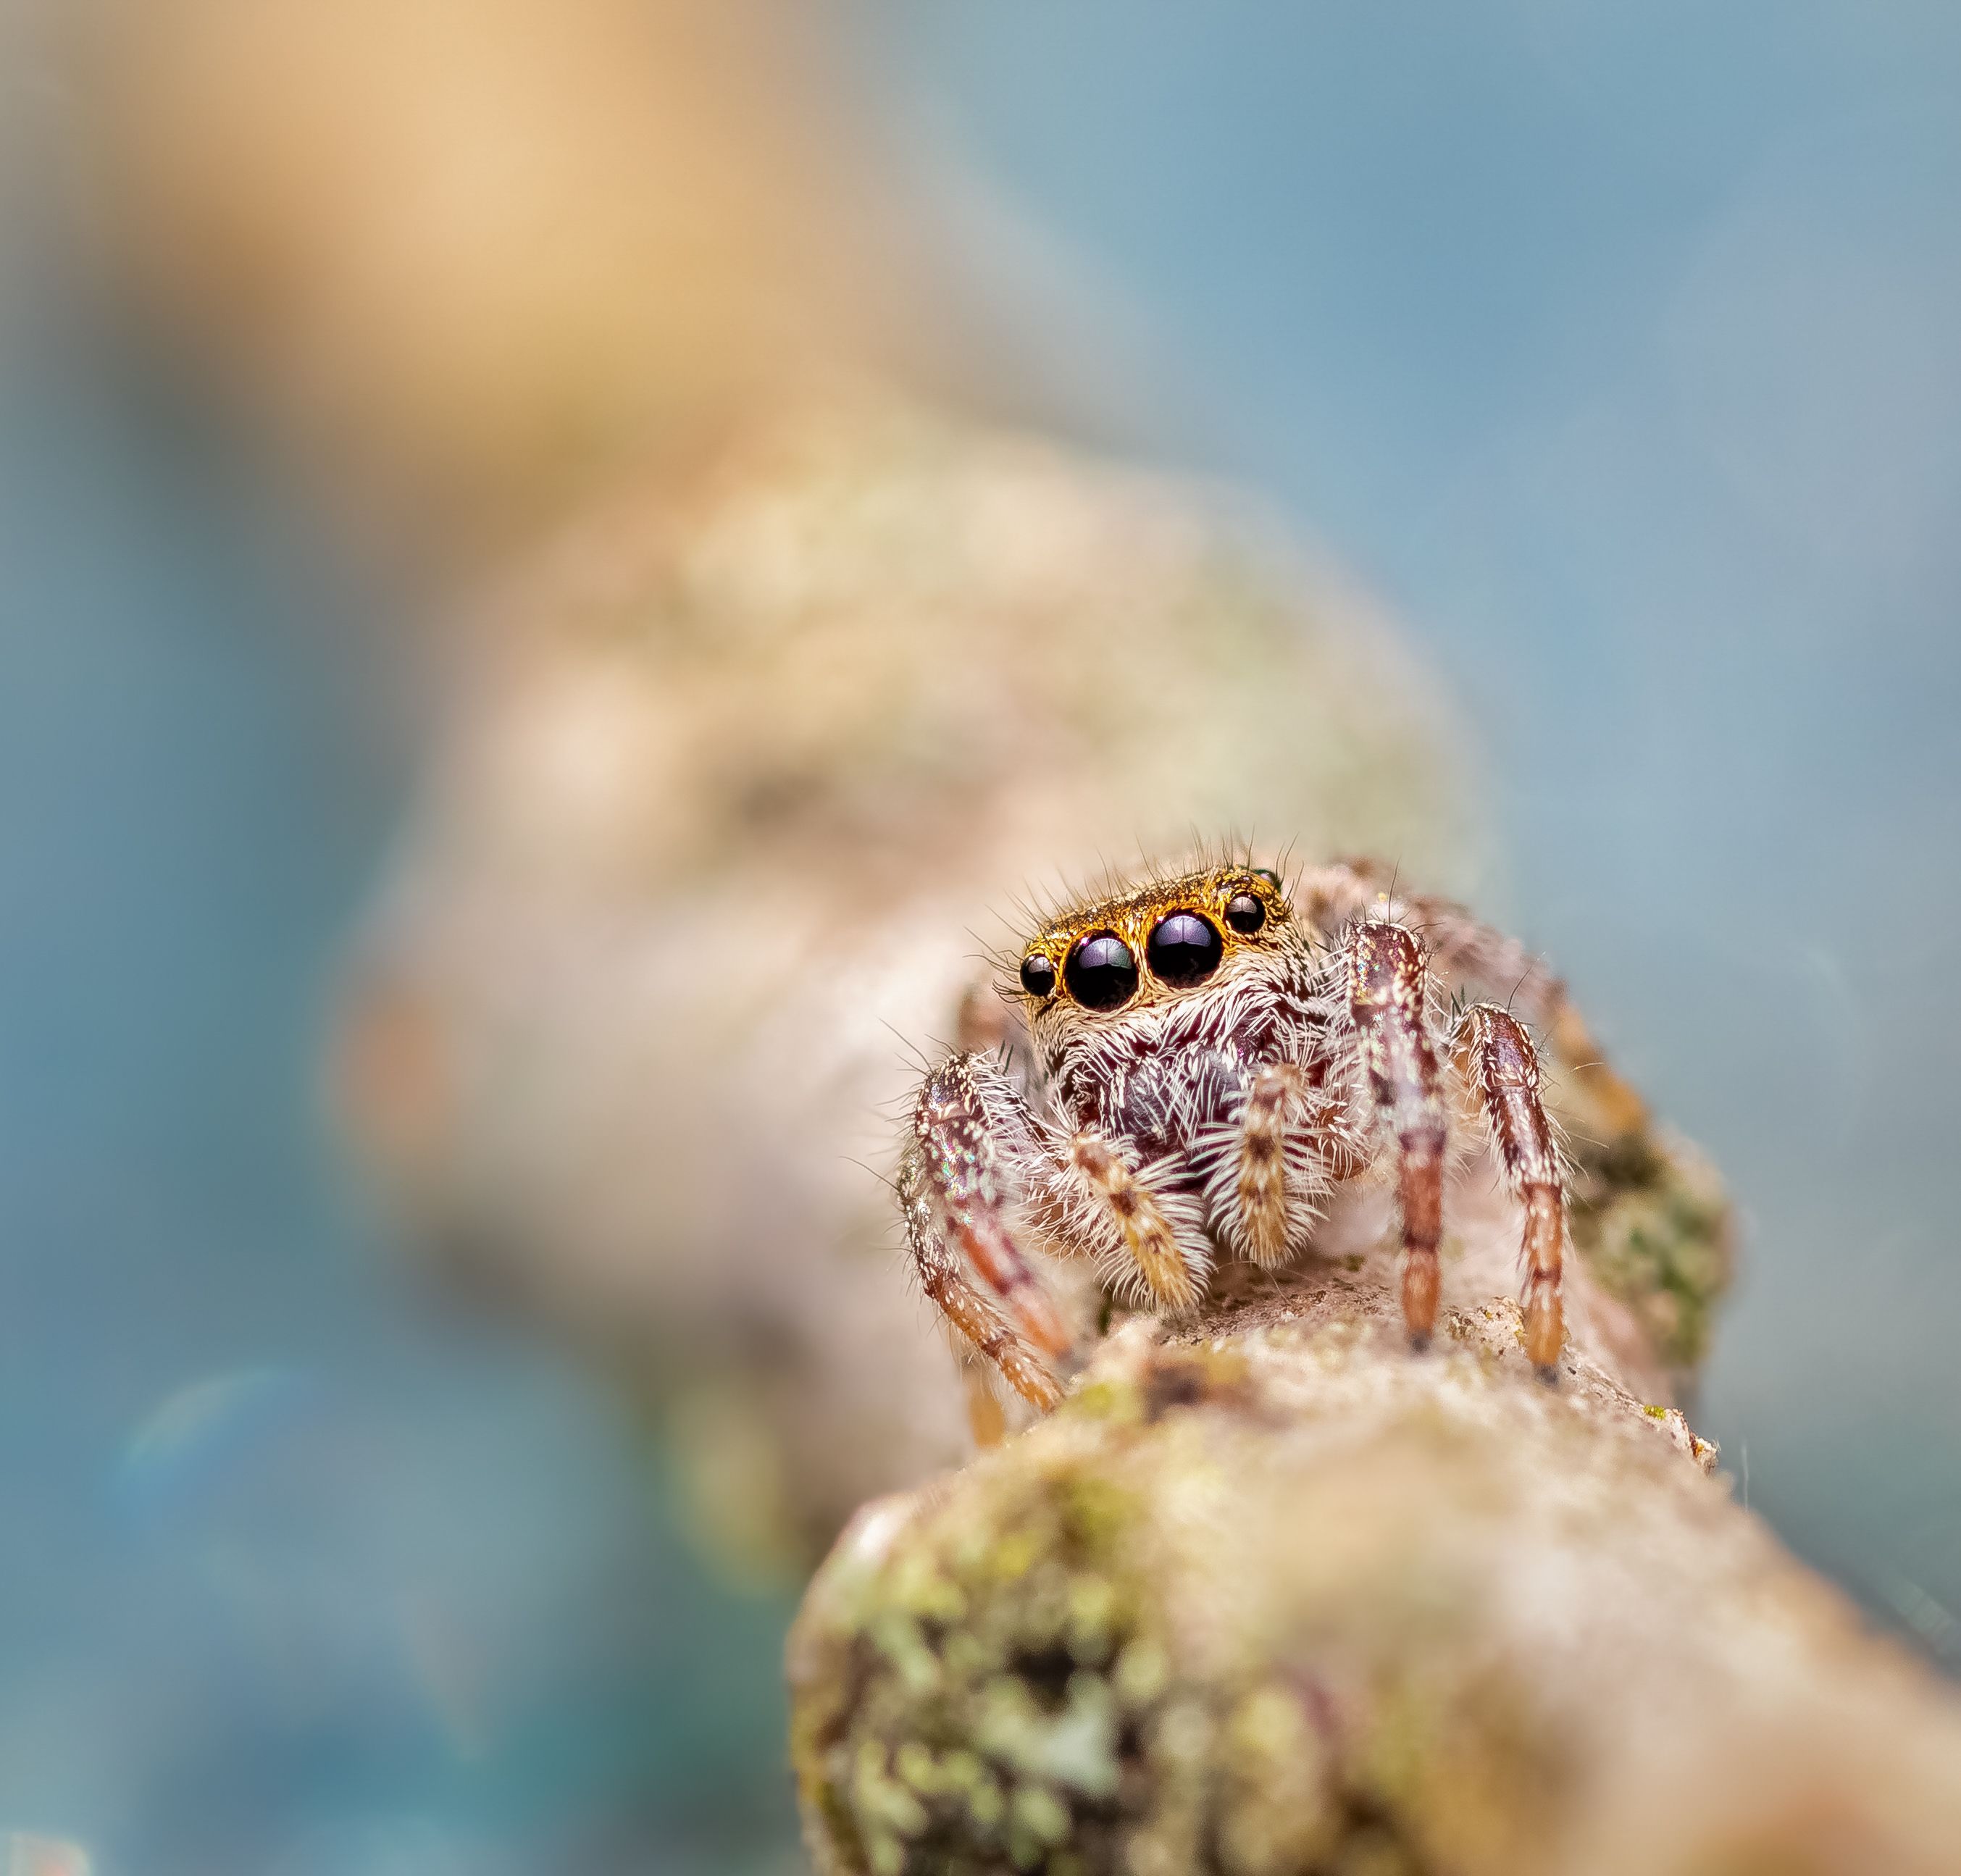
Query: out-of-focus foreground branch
(1271, 1595)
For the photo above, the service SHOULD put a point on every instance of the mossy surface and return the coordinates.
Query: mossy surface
(999, 1688)
(1650, 1218)
(1069, 1663)
(1269, 1595)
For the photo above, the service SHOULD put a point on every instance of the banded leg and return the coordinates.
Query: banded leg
(1260, 1183)
(1146, 1233)
(1463, 949)
(953, 1191)
(1504, 1070)
(1388, 988)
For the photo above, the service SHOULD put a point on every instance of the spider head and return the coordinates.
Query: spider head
(1165, 939)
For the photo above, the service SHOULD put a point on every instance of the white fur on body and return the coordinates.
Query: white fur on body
(1163, 1086)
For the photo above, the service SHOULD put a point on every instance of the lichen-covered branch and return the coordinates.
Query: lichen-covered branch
(1272, 1595)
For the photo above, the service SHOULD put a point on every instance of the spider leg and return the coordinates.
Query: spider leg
(1505, 1072)
(1146, 1232)
(1388, 988)
(956, 1182)
(1465, 950)
(1260, 1186)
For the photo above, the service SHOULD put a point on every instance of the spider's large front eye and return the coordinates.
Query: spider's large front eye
(1183, 949)
(1101, 972)
(1037, 975)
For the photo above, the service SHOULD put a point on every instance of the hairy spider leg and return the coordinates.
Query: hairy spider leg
(1388, 988)
(1260, 1185)
(1146, 1232)
(1504, 1071)
(953, 1191)
(1462, 948)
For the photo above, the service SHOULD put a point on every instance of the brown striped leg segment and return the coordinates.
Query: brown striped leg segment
(1146, 1235)
(1388, 991)
(953, 1193)
(962, 1305)
(1261, 1187)
(1505, 1070)
(1465, 951)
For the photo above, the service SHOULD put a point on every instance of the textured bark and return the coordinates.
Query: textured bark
(1269, 1594)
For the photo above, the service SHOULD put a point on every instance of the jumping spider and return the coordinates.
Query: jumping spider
(1206, 1058)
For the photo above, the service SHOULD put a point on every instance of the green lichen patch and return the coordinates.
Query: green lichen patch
(1650, 1219)
(1281, 1600)
(994, 1687)
(1068, 1662)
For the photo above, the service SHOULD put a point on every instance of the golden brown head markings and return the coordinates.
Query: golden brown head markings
(1207, 1059)
(1149, 944)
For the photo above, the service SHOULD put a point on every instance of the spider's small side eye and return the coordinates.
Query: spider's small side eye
(1037, 975)
(1183, 949)
(1268, 874)
(1245, 914)
(1101, 972)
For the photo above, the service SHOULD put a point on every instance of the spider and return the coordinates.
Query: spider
(1202, 1059)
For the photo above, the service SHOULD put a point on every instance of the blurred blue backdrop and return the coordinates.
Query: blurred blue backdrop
(294, 1576)
(1618, 346)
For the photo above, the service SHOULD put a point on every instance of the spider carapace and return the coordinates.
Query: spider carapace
(1204, 1059)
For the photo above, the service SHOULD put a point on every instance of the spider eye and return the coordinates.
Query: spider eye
(1037, 975)
(1183, 949)
(1246, 914)
(1101, 972)
(1268, 874)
